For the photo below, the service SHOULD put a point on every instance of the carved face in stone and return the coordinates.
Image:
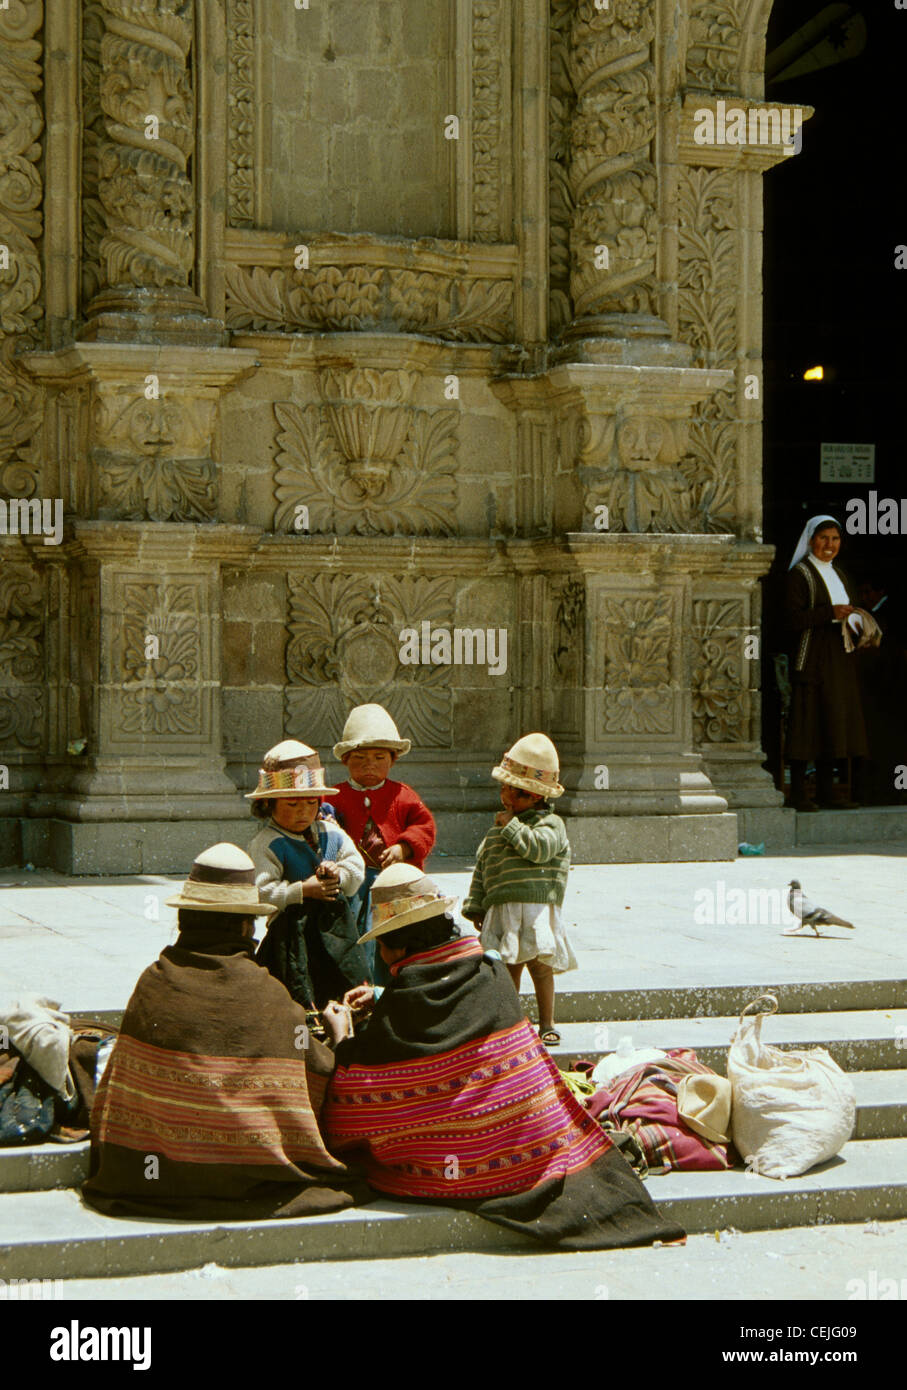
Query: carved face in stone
(640, 442)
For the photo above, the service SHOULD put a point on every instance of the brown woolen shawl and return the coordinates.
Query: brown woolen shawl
(209, 1079)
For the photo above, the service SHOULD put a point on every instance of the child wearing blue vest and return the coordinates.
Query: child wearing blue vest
(309, 869)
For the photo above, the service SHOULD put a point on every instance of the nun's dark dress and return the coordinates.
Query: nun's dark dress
(826, 713)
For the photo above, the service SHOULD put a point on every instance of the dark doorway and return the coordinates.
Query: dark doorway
(834, 218)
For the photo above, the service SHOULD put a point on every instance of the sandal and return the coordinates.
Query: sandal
(551, 1037)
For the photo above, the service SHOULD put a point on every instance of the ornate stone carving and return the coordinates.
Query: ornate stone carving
(369, 298)
(637, 694)
(365, 461)
(241, 113)
(713, 47)
(569, 615)
(718, 687)
(154, 462)
(93, 136)
(487, 109)
(635, 469)
(144, 189)
(707, 319)
(344, 650)
(21, 124)
(21, 657)
(612, 178)
(160, 694)
(561, 104)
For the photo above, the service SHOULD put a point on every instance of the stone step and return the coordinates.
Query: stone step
(682, 1002)
(717, 1001)
(881, 1114)
(52, 1235)
(858, 1040)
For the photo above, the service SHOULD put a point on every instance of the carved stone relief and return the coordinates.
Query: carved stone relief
(159, 694)
(344, 650)
(241, 106)
(369, 298)
(21, 309)
(713, 48)
(612, 177)
(707, 319)
(719, 698)
(487, 118)
(21, 657)
(638, 698)
(144, 188)
(155, 460)
(366, 461)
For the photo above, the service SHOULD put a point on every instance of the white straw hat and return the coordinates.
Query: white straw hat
(222, 879)
(370, 726)
(532, 765)
(404, 894)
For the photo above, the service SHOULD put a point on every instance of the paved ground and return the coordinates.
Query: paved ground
(84, 941)
(829, 1262)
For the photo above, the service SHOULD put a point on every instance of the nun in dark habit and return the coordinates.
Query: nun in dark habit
(826, 716)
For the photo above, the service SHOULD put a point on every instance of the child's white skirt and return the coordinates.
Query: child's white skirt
(521, 932)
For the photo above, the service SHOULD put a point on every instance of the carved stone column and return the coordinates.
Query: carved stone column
(140, 149)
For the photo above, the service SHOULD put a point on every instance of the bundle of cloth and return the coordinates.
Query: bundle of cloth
(671, 1113)
(48, 1071)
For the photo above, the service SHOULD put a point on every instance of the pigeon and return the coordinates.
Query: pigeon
(807, 914)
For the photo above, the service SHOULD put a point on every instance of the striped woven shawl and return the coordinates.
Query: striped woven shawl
(209, 1105)
(449, 1096)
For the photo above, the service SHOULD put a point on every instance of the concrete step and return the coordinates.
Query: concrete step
(881, 1114)
(858, 1040)
(695, 1001)
(52, 1235)
(719, 1001)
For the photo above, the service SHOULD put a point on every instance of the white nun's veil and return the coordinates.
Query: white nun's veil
(826, 570)
(809, 530)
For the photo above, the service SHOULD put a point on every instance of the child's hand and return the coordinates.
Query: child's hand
(359, 998)
(322, 889)
(503, 818)
(394, 854)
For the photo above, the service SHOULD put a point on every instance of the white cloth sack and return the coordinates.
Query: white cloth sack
(791, 1110)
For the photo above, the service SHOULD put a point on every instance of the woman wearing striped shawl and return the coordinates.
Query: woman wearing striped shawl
(449, 1096)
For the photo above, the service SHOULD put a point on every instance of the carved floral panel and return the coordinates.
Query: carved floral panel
(365, 461)
(157, 661)
(21, 656)
(638, 698)
(344, 650)
(719, 694)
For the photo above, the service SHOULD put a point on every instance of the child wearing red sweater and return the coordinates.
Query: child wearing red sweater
(387, 821)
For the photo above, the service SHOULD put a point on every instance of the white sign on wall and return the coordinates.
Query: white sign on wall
(848, 463)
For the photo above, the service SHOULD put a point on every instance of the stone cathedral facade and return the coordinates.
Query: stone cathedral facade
(325, 321)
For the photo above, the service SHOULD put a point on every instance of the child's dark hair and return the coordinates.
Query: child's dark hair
(189, 919)
(264, 810)
(422, 936)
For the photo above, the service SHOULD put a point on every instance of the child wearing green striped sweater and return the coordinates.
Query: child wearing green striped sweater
(520, 877)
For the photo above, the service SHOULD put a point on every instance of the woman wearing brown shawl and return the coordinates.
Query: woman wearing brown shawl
(210, 1103)
(826, 714)
(450, 1097)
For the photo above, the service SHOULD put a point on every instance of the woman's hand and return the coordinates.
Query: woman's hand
(842, 611)
(337, 1020)
(322, 889)
(476, 918)
(394, 854)
(359, 998)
